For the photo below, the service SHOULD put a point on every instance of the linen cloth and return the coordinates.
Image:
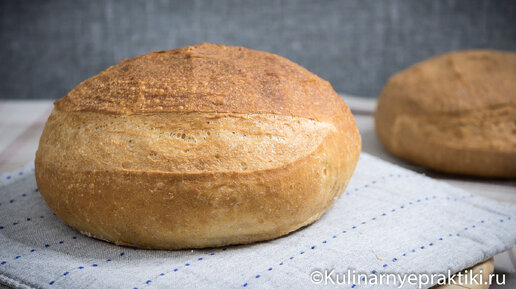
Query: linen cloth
(389, 219)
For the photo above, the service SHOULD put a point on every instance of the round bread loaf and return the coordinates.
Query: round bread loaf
(454, 113)
(203, 146)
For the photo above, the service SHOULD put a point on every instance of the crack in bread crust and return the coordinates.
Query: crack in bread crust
(173, 142)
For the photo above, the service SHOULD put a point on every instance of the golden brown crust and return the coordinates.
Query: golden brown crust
(454, 113)
(176, 209)
(206, 78)
(181, 171)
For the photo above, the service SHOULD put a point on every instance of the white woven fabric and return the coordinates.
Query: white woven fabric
(388, 220)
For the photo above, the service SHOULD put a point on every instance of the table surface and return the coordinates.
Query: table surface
(21, 124)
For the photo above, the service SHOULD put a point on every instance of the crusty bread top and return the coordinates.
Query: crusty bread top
(455, 83)
(206, 78)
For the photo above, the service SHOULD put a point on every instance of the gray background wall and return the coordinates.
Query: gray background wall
(48, 47)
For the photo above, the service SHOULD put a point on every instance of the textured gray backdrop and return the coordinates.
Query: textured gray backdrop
(48, 47)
